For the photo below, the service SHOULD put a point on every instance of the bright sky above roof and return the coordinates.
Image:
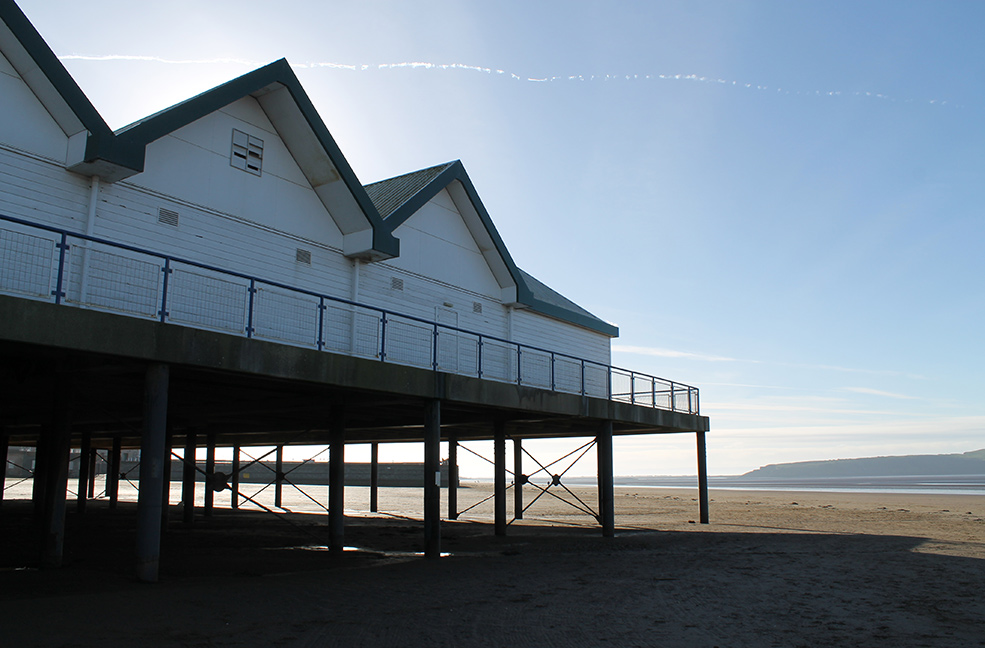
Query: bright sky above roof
(778, 202)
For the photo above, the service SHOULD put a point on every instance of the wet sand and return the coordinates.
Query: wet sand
(773, 569)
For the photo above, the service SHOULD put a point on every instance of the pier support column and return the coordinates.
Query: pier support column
(374, 477)
(85, 449)
(702, 479)
(336, 479)
(234, 485)
(519, 479)
(209, 491)
(432, 479)
(453, 478)
(188, 477)
(153, 465)
(113, 473)
(56, 478)
(279, 477)
(603, 444)
(499, 476)
(166, 486)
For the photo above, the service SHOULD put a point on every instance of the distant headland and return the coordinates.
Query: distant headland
(968, 463)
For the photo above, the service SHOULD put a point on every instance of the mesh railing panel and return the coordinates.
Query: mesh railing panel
(284, 316)
(199, 298)
(119, 282)
(26, 263)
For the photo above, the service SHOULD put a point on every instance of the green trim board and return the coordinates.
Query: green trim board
(402, 196)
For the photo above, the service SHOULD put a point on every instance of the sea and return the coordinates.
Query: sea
(929, 484)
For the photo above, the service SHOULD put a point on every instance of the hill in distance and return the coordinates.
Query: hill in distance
(968, 463)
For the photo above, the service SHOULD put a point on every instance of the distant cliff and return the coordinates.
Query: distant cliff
(969, 463)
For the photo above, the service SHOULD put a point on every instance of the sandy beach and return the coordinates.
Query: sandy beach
(773, 569)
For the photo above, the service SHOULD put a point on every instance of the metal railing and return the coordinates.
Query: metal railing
(38, 261)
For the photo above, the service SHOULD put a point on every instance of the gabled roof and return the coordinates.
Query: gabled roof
(95, 150)
(41, 70)
(401, 197)
(279, 93)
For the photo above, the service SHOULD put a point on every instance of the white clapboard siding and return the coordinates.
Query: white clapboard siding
(25, 123)
(40, 190)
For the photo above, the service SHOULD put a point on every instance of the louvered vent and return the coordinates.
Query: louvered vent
(167, 217)
(247, 152)
(476, 307)
(396, 283)
(303, 256)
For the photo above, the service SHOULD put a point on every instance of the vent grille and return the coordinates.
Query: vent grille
(303, 256)
(396, 283)
(247, 152)
(167, 217)
(476, 307)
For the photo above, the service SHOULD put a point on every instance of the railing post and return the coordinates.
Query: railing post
(582, 377)
(672, 407)
(479, 363)
(632, 387)
(163, 314)
(383, 337)
(608, 381)
(553, 388)
(62, 248)
(518, 379)
(653, 391)
(249, 314)
(434, 348)
(321, 322)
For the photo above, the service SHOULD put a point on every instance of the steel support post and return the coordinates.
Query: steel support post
(153, 465)
(41, 453)
(518, 479)
(702, 479)
(93, 455)
(166, 487)
(209, 474)
(374, 477)
(453, 478)
(113, 473)
(85, 449)
(234, 495)
(336, 479)
(4, 449)
(56, 482)
(432, 479)
(499, 472)
(279, 477)
(603, 444)
(188, 478)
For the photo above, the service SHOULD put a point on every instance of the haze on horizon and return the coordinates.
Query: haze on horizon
(779, 203)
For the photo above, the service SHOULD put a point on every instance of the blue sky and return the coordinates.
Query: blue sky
(778, 202)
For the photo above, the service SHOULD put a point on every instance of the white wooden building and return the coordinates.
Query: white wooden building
(246, 178)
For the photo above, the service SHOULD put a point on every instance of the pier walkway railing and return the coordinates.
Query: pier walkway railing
(68, 268)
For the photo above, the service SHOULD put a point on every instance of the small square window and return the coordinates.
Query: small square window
(247, 152)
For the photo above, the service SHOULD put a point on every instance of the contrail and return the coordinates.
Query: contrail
(582, 78)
